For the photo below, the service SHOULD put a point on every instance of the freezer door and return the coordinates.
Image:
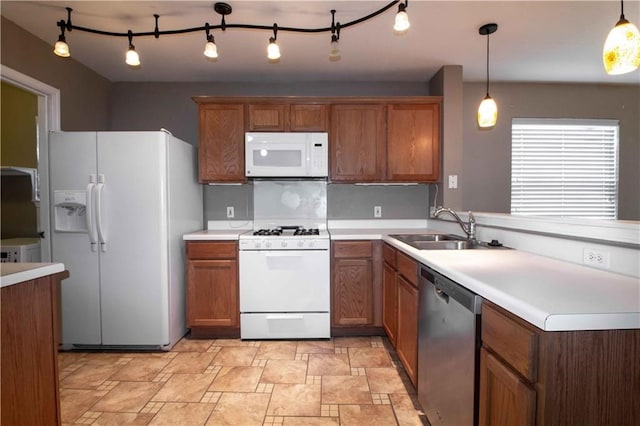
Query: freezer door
(133, 251)
(72, 160)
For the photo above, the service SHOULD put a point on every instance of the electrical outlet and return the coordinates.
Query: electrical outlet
(453, 181)
(230, 212)
(377, 211)
(597, 258)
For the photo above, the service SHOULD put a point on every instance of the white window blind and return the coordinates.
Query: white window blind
(564, 167)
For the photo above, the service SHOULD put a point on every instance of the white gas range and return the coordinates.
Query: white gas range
(284, 263)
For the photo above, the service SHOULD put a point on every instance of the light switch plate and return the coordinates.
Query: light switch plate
(453, 181)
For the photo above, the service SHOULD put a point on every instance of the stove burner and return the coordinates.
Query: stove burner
(297, 231)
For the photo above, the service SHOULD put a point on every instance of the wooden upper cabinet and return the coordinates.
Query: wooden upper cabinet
(356, 142)
(284, 117)
(221, 149)
(268, 117)
(309, 118)
(413, 142)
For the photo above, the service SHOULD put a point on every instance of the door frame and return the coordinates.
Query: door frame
(48, 119)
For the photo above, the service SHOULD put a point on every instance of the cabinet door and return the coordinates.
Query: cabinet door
(309, 118)
(356, 143)
(352, 297)
(221, 150)
(389, 302)
(407, 337)
(413, 142)
(267, 117)
(505, 399)
(212, 293)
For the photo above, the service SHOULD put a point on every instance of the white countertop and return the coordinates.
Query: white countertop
(14, 273)
(214, 235)
(551, 294)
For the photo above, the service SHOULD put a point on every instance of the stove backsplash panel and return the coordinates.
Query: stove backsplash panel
(290, 200)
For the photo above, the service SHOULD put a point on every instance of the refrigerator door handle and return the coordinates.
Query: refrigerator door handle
(89, 213)
(101, 233)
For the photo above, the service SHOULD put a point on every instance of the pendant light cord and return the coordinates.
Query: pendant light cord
(487, 64)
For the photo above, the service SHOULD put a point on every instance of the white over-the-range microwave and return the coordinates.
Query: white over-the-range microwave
(280, 154)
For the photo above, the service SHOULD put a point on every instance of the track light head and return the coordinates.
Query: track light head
(401, 25)
(132, 58)
(61, 48)
(273, 50)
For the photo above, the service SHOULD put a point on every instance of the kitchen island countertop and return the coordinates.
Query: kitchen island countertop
(14, 273)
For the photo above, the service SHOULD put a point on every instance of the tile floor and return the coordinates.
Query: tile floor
(342, 381)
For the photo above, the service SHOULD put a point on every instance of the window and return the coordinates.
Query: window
(564, 167)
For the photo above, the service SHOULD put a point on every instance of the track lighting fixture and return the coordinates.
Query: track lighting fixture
(132, 57)
(488, 110)
(621, 52)
(334, 50)
(211, 50)
(273, 51)
(402, 24)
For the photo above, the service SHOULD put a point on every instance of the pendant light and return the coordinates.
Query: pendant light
(488, 110)
(61, 48)
(273, 51)
(334, 47)
(621, 52)
(210, 48)
(401, 24)
(132, 57)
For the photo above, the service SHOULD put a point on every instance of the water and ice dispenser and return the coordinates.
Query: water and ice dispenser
(70, 210)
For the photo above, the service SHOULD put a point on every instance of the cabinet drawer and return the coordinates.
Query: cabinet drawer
(389, 254)
(511, 339)
(209, 250)
(408, 268)
(352, 249)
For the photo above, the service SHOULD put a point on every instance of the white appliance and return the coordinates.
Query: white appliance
(121, 202)
(278, 154)
(14, 250)
(284, 263)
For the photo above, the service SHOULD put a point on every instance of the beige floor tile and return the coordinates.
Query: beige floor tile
(352, 342)
(74, 402)
(141, 369)
(315, 346)
(329, 364)
(369, 357)
(118, 419)
(312, 421)
(237, 379)
(284, 371)
(406, 414)
(89, 376)
(184, 388)
(105, 358)
(192, 345)
(295, 400)
(277, 350)
(182, 414)
(366, 415)
(345, 390)
(235, 356)
(235, 342)
(67, 358)
(240, 409)
(385, 380)
(128, 397)
(189, 362)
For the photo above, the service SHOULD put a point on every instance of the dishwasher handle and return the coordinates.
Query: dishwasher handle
(452, 290)
(440, 294)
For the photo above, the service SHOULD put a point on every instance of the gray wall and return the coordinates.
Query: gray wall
(84, 94)
(487, 152)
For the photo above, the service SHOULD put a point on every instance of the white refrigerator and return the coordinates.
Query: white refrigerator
(121, 202)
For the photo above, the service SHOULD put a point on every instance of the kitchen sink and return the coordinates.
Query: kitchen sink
(441, 242)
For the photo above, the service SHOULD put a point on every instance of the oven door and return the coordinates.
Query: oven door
(284, 281)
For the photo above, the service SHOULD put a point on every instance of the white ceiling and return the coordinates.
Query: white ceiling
(536, 41)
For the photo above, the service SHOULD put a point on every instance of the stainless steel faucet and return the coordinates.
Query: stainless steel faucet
(468, 228)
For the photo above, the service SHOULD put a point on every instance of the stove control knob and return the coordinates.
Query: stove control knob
(300, 243)
(310, 243)
(283, 244)
(268, 244)
(258, 244)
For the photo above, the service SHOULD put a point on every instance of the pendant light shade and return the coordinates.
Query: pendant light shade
(401, 24)
(210, 48)
(273, 50)
(621, 52)
(61, 48)
(132, 58)
(488, 109)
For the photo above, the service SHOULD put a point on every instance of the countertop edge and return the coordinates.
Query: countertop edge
(14, 275)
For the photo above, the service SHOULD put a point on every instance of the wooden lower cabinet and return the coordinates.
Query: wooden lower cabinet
(355, 287)
(407, 337)
(29, 352)
(212, 289)
(534, 377)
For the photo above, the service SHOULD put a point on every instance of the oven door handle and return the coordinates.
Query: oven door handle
(284, 317)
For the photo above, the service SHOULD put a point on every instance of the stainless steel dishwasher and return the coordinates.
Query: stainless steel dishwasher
(448, 350)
